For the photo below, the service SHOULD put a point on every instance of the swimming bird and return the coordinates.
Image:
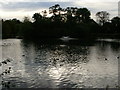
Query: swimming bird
(118, 57)
(23, 55)
(0, 64)
(105, 58)
(4, 62)
(8, 71)
(9, 67)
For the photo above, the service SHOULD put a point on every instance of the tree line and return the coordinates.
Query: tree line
(70, 21)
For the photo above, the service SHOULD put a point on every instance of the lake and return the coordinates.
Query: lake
(61, 65)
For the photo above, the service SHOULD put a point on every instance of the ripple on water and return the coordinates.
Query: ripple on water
(64, 66)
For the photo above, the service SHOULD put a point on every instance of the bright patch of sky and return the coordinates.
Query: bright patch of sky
(19, 8)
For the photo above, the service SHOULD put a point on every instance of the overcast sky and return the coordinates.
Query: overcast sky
(20, 8)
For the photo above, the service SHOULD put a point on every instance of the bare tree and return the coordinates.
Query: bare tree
(26, 19)
(102, 17)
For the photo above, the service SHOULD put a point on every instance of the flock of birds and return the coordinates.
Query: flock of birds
(117, 58)
(6, 70)
(5, 61)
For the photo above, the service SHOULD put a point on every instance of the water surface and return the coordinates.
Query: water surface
(83, 65)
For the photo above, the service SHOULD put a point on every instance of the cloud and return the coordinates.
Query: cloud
(20, 8)
(5, 1)
(13, 6)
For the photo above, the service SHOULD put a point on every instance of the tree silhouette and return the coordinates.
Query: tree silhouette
(82, 15)
(10, 28)
(69, 21)
(37, 17)
(56, 11)
(116, 21)
(26, 19)
(70, 13)
(116, 24)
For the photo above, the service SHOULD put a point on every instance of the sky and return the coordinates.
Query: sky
(10, 9)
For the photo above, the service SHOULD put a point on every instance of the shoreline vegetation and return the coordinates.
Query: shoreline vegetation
(70, 21)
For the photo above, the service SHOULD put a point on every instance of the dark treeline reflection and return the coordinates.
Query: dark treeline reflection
(69, 21)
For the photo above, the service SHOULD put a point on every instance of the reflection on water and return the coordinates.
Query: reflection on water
(62, 65)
